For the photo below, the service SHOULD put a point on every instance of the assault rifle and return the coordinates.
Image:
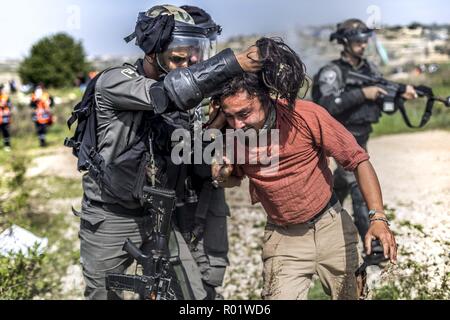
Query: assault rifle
(393, 101)
(155, 282)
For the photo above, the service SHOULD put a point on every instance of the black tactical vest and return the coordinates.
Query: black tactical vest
(367, 113)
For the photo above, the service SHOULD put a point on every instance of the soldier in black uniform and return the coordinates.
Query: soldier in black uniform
(352, 105)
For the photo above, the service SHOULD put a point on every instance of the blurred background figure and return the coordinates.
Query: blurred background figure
(5, 118)
(12, 86)
(41, 102)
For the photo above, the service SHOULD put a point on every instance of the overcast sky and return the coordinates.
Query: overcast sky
(102, 24)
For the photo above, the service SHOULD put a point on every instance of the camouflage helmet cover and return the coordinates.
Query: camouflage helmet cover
(179, 14)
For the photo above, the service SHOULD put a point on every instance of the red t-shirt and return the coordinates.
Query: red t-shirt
(302, 183)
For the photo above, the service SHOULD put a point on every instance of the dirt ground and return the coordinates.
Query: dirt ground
(413, 166)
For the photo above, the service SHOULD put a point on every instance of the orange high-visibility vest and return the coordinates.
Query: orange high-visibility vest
(5, 113)
(43, 114)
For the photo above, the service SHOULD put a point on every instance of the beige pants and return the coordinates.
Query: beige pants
(293, 254)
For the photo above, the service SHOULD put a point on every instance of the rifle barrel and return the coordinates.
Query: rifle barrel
(445, 101)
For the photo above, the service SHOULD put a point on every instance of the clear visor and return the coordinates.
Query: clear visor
(212, 47)
(360, 37)
(184, 51)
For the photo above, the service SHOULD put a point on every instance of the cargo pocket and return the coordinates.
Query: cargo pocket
(141, 177)
(267, 235)
(89, 220)
(122, 176)
(271, 240)
(216, 233)
(216, 271)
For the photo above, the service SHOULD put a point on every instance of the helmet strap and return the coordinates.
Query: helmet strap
(160, 66)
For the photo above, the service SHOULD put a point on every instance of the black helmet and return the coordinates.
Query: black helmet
(164, 29)
(160, 26)
(351, 30)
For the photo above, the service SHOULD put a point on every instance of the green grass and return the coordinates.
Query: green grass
(440, 119)
(393, 124)
(28, 206)
(66, 92)
(316, 292)
(52, 187)
(411, 225)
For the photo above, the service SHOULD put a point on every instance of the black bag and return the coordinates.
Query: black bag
(84, 140)
(124, 177)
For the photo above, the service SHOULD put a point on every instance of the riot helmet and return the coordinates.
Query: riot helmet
(170, 33)
(351, 30)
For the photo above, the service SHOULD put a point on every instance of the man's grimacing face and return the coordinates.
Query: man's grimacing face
(243, 111)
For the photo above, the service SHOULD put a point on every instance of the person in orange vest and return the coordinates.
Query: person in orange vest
(5, 118)
(41, 102)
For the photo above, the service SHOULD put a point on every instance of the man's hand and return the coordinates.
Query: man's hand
(370, 188)
(217, 118)
(410, 93)
(380, 230)
(221, 172)
(249, 60)
(372, 92)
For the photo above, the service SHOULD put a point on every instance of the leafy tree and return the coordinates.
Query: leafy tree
(56, 61)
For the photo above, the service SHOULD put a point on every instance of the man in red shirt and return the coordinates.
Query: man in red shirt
(307, 232)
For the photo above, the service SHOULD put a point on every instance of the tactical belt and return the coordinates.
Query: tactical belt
(331, 203)
(118, 209)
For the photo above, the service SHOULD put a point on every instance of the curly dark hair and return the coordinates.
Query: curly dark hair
(282, 75)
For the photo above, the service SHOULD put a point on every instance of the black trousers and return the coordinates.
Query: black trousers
(41, 130)
(6, 135)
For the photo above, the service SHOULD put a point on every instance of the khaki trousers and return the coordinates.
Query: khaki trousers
(293, 254)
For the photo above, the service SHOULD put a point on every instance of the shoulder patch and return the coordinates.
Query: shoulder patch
(328, 76)
(129, 73)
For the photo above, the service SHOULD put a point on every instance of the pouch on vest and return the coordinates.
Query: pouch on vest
(125, 176)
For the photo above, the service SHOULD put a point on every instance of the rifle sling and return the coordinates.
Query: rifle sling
(425, 117)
